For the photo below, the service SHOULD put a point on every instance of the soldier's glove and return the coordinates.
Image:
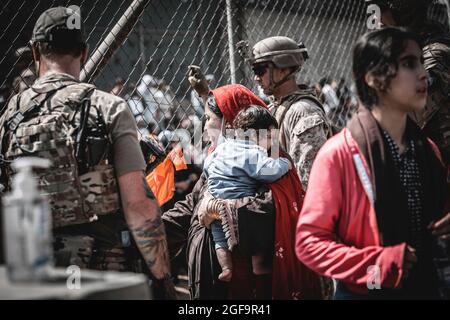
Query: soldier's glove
(197, 80)
(164, 289)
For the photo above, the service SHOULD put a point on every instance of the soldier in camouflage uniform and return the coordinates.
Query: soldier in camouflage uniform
(303, 125)
(435, 119)
(96, 187)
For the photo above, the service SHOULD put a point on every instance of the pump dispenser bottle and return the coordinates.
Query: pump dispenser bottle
(27, 225)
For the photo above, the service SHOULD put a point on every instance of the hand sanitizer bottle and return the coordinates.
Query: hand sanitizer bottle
(27, 225)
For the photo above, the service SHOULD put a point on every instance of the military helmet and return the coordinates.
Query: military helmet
(283, 52)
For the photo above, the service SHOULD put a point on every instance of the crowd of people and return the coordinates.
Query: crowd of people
(291, 200)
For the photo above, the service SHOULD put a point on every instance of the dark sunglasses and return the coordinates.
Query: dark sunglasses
(260, 69)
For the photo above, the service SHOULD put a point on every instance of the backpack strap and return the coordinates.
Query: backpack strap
(22, 111)
(35, 102)
(295, 97)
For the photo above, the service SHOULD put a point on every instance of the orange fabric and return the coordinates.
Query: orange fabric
(162, 181)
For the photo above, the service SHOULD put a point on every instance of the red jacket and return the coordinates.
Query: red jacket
(337, 232)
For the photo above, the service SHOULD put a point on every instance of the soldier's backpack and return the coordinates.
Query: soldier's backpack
(71, 134)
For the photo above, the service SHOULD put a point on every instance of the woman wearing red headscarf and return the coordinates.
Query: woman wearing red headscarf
(278, 205)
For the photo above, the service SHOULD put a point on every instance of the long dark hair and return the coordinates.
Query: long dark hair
(377, 52)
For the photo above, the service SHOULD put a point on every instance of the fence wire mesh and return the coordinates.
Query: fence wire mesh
(149, 68)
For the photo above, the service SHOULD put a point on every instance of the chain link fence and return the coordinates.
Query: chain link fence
(149, 68)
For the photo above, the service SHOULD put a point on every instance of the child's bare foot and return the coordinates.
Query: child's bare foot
(225, 261)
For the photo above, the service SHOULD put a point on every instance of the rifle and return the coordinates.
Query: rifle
(81, 145)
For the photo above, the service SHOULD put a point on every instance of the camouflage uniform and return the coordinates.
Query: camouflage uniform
(435, 120)
(98, 237)
(303, 129)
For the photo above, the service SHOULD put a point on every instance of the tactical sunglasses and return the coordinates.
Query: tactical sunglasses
(260, 69)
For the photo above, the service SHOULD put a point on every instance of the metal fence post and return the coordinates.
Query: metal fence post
(113, 40)
(142, 47)
(448, 12)
(229, 5)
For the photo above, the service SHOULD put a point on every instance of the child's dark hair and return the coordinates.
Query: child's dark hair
(254, 117)
(377, 52)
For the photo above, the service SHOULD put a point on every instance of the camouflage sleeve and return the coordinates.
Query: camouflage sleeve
(437, 63)
(434, 118)
(6, 114)
(309, 131)
(8, 109)
(437, 58)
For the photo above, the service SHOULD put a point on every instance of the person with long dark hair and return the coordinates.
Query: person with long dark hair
(377, 194)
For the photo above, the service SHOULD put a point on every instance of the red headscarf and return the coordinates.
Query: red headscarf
(233, 98)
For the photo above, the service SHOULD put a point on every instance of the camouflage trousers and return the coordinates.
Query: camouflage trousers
(87, 253)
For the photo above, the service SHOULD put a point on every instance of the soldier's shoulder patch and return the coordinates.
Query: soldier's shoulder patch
(305, 107)
(307, 122)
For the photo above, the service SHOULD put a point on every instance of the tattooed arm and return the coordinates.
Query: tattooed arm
(144, 219)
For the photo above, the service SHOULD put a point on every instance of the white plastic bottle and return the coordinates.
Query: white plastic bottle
(27, 225)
